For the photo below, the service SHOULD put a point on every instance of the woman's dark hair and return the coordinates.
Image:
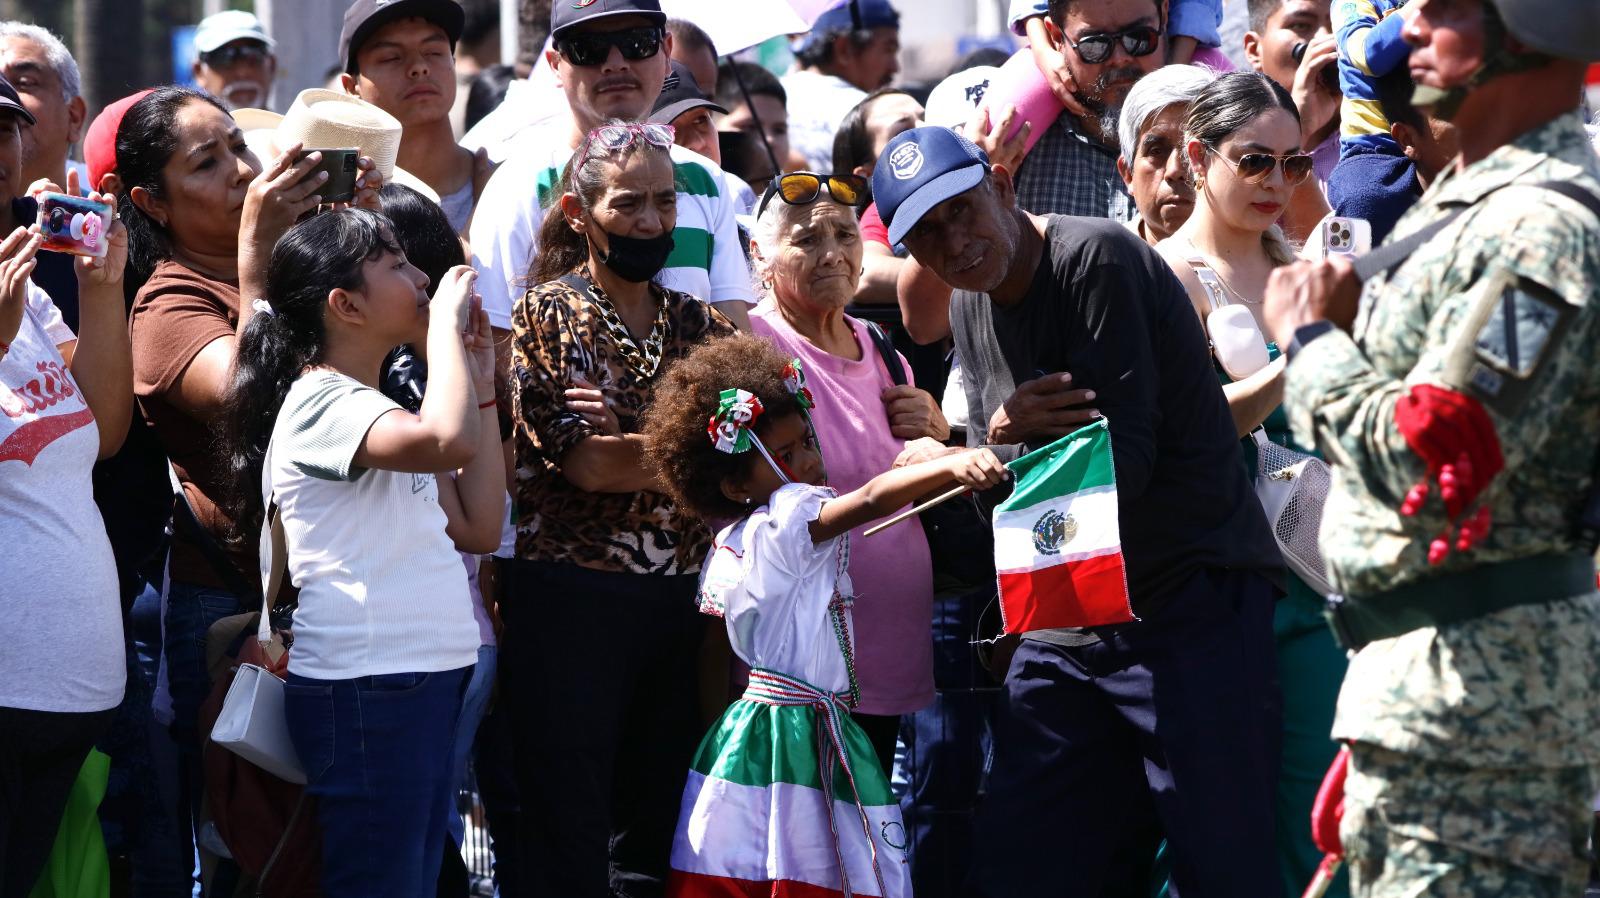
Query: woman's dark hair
(146, 139)
(488, 91)
(852, 143)
(686, 397)
(561, 249)
(1233, 101)
(423, 232)
(321, 254)
(1228, 104)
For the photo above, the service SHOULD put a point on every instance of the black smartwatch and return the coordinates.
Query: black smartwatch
(1305, 334)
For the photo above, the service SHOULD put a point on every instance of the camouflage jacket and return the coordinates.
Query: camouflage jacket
(1520, 687)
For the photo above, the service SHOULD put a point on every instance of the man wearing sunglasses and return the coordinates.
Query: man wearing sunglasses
(235, 62)
(1106, 46)
(612, 59)
(1459, 410)
(1103, 732)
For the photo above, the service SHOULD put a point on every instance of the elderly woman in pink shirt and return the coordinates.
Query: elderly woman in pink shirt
(807, 256)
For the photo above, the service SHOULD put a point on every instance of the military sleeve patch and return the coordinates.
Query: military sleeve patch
(1512, 328)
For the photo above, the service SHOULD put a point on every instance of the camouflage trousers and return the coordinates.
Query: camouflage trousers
(1420, 828)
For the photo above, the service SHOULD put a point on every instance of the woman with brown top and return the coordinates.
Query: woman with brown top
(601, 631)
(202, 218)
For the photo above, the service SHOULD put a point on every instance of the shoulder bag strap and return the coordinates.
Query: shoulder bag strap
(1209, 281)
(887, 352)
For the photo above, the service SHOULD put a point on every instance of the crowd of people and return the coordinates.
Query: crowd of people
(561, 421)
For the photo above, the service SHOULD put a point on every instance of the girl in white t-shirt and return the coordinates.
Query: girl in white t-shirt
(771, 803)
(384, 635)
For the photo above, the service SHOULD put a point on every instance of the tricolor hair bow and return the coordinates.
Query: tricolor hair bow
(732, 428)
(794, 377)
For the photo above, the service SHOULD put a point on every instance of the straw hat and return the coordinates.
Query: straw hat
(327, 119)
(321, 118)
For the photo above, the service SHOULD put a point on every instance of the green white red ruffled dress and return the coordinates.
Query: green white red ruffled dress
(786, 798)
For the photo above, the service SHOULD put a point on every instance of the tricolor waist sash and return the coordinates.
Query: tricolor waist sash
(772, 688)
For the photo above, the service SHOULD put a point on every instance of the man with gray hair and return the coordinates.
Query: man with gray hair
(45, 75)
(1151, 161)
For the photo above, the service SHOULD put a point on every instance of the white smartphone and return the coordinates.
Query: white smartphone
(1347, 236)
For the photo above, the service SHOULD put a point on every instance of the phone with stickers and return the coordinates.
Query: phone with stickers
(1347, 236)
(72, 224)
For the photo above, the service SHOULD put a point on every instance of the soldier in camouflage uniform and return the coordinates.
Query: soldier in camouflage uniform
(1460, 409)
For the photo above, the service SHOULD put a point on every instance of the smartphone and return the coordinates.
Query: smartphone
(340, 164)
(1347, 236)
(72, 224)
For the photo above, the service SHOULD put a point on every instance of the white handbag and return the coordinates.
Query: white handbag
(1293, 487)
(251, 723)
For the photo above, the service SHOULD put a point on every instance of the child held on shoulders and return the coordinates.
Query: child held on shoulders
(730, 432)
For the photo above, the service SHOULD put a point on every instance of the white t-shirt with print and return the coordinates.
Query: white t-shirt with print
(60, 614)
(707, 260)
(382, 589)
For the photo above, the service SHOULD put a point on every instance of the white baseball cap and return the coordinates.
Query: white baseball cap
(952, 103)
(226, 27)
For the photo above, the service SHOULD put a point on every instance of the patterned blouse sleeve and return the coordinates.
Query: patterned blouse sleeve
(548, 348)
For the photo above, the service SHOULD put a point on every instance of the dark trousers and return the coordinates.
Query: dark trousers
(599, 672)
(376, 751)
(40, 754)
(1182, 709)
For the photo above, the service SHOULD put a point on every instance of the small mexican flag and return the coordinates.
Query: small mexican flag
(1057, 546)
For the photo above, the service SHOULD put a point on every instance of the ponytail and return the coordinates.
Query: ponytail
(320, 255)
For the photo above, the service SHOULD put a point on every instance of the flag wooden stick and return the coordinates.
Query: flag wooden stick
(916, 509)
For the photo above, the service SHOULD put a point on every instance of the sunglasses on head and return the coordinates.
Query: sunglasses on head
(591, 48)
(1253, 168)
(222, 57)
(612, 138)
(1094, 49)
(802, 187)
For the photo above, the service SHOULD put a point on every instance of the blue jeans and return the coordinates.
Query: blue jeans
(945, 750)
(377, 756)
(474, 703)
(191, 610)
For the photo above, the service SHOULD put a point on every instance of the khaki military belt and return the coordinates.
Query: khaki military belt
(1458, 597)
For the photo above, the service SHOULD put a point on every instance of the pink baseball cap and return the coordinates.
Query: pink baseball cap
(100, 141)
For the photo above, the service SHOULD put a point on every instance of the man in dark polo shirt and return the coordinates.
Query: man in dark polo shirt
(1175, 717)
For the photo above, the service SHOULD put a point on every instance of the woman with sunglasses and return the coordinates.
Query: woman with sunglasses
(601, 633)
(807, 252)
(1243, 147)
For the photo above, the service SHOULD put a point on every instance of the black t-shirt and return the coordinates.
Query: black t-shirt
(1105, 308)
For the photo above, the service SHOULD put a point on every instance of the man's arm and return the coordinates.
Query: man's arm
(503, 237)
(731, 288)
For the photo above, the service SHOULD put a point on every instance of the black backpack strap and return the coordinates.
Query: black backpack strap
(887, 352)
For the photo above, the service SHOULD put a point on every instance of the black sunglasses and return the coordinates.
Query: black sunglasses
(592, 47)
(222, 57)
(1141, 40)
(1253, 168)
(801, 187)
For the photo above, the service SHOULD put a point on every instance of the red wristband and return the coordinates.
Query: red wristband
(4, 346)
(484, 405)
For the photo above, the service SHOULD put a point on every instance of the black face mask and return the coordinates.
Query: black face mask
(636, 259)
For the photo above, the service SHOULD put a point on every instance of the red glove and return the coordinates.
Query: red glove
(1328, 810)
(1453, 435)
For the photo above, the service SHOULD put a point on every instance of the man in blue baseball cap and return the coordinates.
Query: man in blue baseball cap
(847, 54)
(1167, 724)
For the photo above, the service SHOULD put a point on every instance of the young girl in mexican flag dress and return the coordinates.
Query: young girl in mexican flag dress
(785, 797)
